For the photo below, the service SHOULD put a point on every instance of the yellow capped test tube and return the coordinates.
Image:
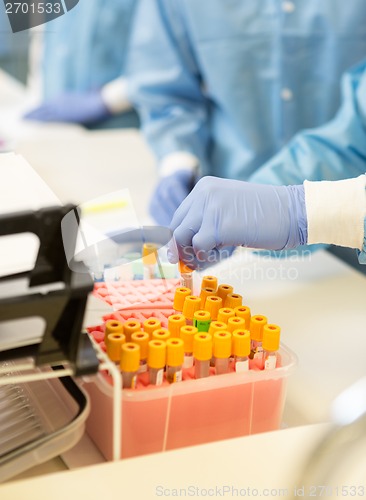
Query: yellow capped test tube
(129, 364)
(270, 344)
(212, 305)
(114, 343)
(156, 360)
(129, 327)
(190, 306)
(161, 334)
(225, 313)
(175, 323)
(233, 300)
(241, 349)
(174, 359)
(202, 353)
(187, 334)
(142, 339)
(206, 292)
(257, 323)
(223, 290)
(151, 324)
(222, 351)
(112, 326)
(234, 323)
(179, 297)
(210, 282)
(243, 312)
(149, 259)
(186, 275)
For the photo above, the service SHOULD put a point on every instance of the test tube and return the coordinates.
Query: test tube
(190, 306)
(241, 349)
(186, 275)
(202, 320)
(243, 312)
(129, 365)
(223, 290)
(150, 325)
(114, 343)
(206, 292)
(112, 326)
(225, 313)
(216, 326)
(174, 359)
(161, 334)
(142, 339)
(175, 323)
(129, 327)
(222, 351)
(209, 281)
(179, 297)
(270, 344)
(256, 334)
(234, 323)
(156, 361)
(202, 352)
(187, 334)
(233, 300)
(212, 305)
(149, 258)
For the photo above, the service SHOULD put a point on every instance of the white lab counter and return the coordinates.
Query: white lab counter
(317, 300)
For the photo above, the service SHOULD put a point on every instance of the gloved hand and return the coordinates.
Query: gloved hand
(72, 107)
(221, 212)
(169, 194)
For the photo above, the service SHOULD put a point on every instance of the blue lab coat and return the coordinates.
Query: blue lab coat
(233, 81)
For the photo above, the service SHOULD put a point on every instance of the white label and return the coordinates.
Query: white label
(159, 377)
(188, 362)
(242, 366)
(270, 363)
(178, 376)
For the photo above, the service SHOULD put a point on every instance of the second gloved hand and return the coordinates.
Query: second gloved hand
(169, 194)
(220, 212)
(83, 108)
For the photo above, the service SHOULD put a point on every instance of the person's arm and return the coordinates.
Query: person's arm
(219, 213)
(165, 86)
(336, 150)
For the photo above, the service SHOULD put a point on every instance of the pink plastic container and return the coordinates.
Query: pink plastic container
(190, 412)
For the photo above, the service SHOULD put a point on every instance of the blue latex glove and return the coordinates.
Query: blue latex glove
(221, 212)
(71, 107)
(169, 194)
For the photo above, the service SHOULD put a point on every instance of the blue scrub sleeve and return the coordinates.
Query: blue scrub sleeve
(164, 81)
(334, 151)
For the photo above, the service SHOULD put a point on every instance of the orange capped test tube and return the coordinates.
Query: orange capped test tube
(175, 323)
(179, 297)
(233, 300)
(114, 344)
(187, 334)
(190, 306)
(186, 275)
(225, 313)
(243, 312)
(151, 324)
(174, 360)
(142, 339)
(112, 326)
(129, 364)
(210, 282)
(202, 352)
(270, 344)
(222, 351)
(156, 360)
(161, 334)
(241, 349)
(223, 291)
(257, 323)
(129, 327)
(206, 292)
(212, 305)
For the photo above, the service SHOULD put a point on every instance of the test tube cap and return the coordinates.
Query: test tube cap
(187, 334)
(157, 354)
(179, 297)
(129, 327)
(217, 326)
(233, 300)
(149, 252)
(222, 344)
(175, 323)
(224, 290)
(271, 337)
(151, 324)
(234, 323)
(241, 342)
(191, 305)
(202, 346)
(142, 339)
(202, 320)
(257, 323)
(114, 344)
(112, 326)
(130, 357)
(209, 281)
(183, 268)
(243, 312)
(212, 305)
(206, 292)
(225, 313)
(161, 334)
(174, 352)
